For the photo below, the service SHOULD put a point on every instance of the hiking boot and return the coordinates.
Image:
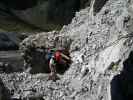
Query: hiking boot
(53, 77)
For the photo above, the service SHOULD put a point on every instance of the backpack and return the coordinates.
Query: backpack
(57, 56)
(49, 56)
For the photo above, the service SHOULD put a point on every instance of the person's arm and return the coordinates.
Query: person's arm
(64, 56)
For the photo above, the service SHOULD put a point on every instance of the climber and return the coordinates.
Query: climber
(56, 57)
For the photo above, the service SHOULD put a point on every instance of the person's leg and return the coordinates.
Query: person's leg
(52, 69)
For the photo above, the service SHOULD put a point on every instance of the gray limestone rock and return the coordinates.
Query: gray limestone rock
(101, 50)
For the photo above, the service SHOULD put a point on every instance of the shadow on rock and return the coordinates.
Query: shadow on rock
(116, 91)
(4, 93)
(122, 85)
(40, 64)
(98, 5)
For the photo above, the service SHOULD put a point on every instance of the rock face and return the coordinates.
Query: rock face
(101, 50)
(104, 42)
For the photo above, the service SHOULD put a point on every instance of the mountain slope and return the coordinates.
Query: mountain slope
(101, 51)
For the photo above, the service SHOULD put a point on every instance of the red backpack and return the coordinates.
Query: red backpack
(57, 56)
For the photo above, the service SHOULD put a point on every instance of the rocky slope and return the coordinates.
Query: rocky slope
(101, 50)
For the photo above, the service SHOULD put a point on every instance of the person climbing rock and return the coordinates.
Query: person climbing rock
(57, 57)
